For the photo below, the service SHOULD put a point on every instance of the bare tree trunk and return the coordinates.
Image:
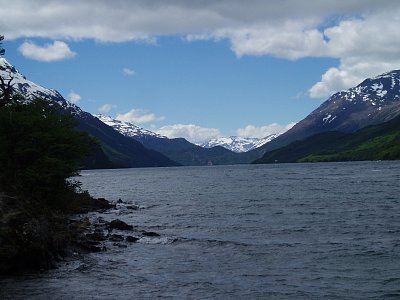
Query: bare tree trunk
(6, 90)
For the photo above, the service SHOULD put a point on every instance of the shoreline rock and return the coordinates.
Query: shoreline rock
(31, 242)
(36, 238)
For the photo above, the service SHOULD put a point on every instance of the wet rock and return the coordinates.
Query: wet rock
(116, 238)
(120, 245)
(131, 239)
(94, 248)
(102, 203)
(119, 225)
(96, 236)
(90, 246)
(150, 233)
(132, 207)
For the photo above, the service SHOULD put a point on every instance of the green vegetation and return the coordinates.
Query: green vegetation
(378, 142)
(39, 151)
(2, 50)
(385, 147)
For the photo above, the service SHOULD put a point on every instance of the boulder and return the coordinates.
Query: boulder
(150, 233)
(116, 238)
(131, 239)
(119, 225)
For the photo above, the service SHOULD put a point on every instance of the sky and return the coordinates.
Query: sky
(201, 69)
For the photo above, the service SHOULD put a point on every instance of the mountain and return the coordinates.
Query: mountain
(238, 144)
(116, 150)
(375, 142)
(128, 129)
(233, 143)
(178, 149)
(374, 101)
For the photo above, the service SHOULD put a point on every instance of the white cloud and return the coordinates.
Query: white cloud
(105, 108)
(139, 116)
(263, 131)
(291, 40)
(191, 132)
(74, 97)
(128, 72)
(362, 34)
(48, 53)
(366, 47)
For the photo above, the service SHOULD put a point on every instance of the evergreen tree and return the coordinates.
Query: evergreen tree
(2, 50)
(39, 151)
(6, 85)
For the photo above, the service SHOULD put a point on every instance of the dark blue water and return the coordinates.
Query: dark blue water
(288, 231)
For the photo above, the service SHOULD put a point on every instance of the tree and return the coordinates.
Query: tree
(39, 151)
(6, 85)
(2, 50)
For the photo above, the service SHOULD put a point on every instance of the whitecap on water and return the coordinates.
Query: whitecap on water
(156, 240)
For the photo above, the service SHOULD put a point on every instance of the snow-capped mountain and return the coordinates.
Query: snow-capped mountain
(373, 101)
(233, 143)
(127, 128)
(238, 144)
(115, 150)
(376, 100)
(32, 90)
(178, 149)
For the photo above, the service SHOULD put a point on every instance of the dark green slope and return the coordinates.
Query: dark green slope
(188, 154)
(377, 142)
(121, 151)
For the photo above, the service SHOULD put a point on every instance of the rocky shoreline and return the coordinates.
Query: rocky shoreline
(100, 234)
(37, 243)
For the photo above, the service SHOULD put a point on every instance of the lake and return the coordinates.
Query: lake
(284, 231)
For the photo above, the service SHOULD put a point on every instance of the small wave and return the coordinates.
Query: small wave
(156, 240)
(394, 295)
(390, 280)
(214, 242)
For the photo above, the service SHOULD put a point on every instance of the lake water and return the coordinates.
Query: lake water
(287, 231)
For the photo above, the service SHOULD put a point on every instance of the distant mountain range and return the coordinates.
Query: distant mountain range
(238, 144)
(177, 149)
(233, 143)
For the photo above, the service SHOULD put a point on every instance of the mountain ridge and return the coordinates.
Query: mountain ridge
(375, 100)
(232, 143)
(177, 149)
(238, 144)
(120, 151)
(374, 142)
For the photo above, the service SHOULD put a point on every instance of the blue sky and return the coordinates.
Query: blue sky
(201, 71)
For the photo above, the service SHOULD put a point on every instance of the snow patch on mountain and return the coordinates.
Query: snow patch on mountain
(31, 90)
(374, 89)
(127, 128)
(373, 94)
(238, 144)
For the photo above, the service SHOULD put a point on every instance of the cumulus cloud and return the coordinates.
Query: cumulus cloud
(193, 133)
(262, 131)
(362, 34)
(289, 40)
(366, 47)
(48, 53)
(105, 108)
(128, 72)
(139, 116)
(74, 97)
